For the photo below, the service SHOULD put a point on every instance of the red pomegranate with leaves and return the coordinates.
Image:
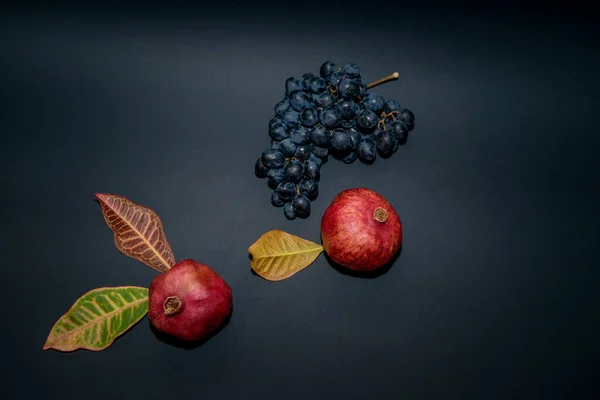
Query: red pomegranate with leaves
(189, 301)
(360, 230)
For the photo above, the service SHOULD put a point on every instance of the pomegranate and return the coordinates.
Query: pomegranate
(360, 230)
(188, 301)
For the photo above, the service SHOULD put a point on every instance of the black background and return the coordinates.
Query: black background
(494, 295)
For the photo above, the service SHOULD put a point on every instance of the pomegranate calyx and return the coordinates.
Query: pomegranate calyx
(380, 214)
(172, 305)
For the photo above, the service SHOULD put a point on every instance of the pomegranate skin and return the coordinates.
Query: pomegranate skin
(189, 301)
(357, 234)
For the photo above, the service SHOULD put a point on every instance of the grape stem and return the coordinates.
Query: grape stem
(391, 114)
(388, 78)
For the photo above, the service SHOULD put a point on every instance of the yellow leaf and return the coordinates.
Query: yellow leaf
(277, 255)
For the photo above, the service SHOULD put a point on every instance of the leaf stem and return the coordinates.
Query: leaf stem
(388, 78)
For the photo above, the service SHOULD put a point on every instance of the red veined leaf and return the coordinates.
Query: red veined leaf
(138, 231)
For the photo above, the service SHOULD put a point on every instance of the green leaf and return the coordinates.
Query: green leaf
(277, 255)
(97, 318)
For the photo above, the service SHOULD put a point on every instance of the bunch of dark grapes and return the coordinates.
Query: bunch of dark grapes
(330, 114)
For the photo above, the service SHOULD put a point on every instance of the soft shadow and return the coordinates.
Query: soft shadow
(189, 345)
(364, 274)
(252, 269)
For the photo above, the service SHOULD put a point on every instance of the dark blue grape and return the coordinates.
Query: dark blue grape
(348, 88)
(289, 212)
(282, 107)
(391, 105)
(374, 133)
(385, 143)
(350, 158)
(351, 70)
(299, 100)
(355, 136)
(309, 116)
(275, 200)
(335, 78)
(408, 118)
(320, 136)
(309, 188)
(287, 147)
(318, 85)
(276, 176)
(301, 205)
(312, 169)
(331, 117)
(348, 108)
(327, 68)
(305, 80)
(367, 121)
(294, 170)
(323, 100)
(316, 159)
(292, 84)
(260, 169)
(341, 140)
(321, 152)
(367, 151)
(374, 102)
(364, 136)
(362, 87)
(278, 131)
(291, 118)
(286, 190)
(275, 120)
(399, 130)
(272, 158)
(396, 144)
(348, 123)
(300, 135)
(302, 152)
(275, 144)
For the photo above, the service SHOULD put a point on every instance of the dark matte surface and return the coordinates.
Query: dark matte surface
(495, 293)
